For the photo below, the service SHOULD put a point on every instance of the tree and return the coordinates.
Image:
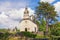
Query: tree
(47, 12)
(42, 25)
(55, 30)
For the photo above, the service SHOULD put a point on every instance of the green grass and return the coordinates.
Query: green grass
(3, 30)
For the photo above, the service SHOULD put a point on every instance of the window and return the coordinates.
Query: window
(25, 21)
(35, 29)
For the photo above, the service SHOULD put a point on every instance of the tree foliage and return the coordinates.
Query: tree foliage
(55, 30)
(42, 25)
(46, 12)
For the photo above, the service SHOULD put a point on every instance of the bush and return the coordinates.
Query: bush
(1, 35)
(28, 34)
(55, 32)
(4, 36)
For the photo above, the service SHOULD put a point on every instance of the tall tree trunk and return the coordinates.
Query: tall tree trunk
(47, 28)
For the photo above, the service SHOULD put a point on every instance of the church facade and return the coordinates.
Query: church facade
(27, 24)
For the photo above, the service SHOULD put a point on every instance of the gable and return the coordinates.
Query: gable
(27, 23)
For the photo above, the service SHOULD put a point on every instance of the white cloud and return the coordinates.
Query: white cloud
(12, 12)
(57, 7)
(7, 5)
(11, 18)
(49, 1)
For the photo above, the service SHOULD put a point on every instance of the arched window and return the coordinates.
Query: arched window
(35, 29)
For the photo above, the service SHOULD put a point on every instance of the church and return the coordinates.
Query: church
(27, 24)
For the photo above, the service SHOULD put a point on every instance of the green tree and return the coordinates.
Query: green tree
(47, 12)
(55, 29)
(42, 25)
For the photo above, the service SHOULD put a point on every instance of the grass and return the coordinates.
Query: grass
(3, 30)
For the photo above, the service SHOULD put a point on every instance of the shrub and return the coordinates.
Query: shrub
(28, 34)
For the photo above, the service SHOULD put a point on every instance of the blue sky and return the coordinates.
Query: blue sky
(11, 11)
(30, 3)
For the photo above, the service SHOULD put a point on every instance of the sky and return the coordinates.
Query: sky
(11, 11)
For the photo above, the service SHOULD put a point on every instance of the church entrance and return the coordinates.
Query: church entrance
(26, 29)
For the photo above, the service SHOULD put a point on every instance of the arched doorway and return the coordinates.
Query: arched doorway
(26, 29)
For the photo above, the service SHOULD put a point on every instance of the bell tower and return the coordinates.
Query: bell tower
(26, 14)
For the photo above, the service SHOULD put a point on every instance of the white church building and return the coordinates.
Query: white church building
(27, 24)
